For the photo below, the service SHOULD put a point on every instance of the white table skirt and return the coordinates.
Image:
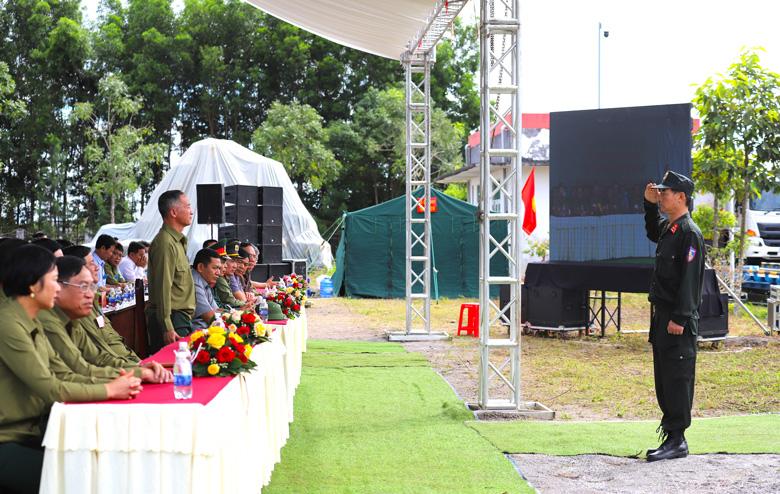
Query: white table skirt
(230, 445)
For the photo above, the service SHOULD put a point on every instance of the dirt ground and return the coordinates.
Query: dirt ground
(457, 361)
(696, 474)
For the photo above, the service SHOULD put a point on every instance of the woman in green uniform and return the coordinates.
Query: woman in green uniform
(32, 376)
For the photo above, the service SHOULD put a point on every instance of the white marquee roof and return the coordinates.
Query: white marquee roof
(381, 27)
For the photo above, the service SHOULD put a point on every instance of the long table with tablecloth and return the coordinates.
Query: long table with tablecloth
(226, 439)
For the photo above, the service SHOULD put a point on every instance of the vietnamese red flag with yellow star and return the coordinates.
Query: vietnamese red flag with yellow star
(529, 203)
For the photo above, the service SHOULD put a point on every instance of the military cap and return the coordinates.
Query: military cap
(233, 249)
(677, 182)
(219, 248)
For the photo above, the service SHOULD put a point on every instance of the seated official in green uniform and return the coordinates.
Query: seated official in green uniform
(97, 325)
(32, 376)
(113, 276)
(223, 294)
(171, 289)
(64, 327)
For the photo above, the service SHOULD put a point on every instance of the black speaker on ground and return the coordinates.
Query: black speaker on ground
(241, 215)
(269, 235)
(244, 233)
(242, 195)
(553, 307)
(297, 266)
(715, 325)
(269, 215)
(277, 270)
(269, 196)
(270, 253)
(211, 204)
(259, 272)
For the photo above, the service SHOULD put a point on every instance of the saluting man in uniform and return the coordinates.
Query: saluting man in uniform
(675, 293)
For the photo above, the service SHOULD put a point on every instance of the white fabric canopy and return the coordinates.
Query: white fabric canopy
(213, 161)
(381, 27)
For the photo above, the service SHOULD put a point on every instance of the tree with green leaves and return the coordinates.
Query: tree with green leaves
(293, 135)
(116, 147)
(715, 171)
(740, 113)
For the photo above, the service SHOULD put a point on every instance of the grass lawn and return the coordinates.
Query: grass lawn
(370, 417)
(741, 434)
(595, 378)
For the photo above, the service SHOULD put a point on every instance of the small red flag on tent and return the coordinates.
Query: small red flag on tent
(529, 203)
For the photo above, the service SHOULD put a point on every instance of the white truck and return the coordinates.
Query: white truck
(762, 225)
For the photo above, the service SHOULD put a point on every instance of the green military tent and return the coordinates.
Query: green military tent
(371, 256)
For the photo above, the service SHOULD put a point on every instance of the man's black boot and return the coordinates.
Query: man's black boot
(674, 447)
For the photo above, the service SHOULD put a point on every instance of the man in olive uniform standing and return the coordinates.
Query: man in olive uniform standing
(675, 293)
(171, 289)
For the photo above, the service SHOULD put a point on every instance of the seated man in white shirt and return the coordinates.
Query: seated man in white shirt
(133, 266)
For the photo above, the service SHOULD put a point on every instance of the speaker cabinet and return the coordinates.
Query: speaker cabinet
(269, 196)
(297, 266)
(269, 215)
(269, 235)
(277, 270)
(270, 253)
(211, 204)
(553, 307)
(241, 215)
(241, 195)
(259, 272)
(244, 233)
(715, 325)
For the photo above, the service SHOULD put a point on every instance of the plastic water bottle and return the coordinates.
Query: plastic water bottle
(182, 373)
(262, 309)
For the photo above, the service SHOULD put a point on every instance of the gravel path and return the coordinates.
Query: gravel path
(696, 474)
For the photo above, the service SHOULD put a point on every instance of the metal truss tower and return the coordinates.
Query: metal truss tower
(499, 370)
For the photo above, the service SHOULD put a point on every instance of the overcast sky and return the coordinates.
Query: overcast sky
(655, 53)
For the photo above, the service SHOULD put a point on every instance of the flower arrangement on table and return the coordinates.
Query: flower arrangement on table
(247, 325)
(290, 294)
(220, 352)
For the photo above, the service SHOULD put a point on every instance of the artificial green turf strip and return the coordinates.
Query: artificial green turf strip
(397, 429)
(741, 434)
(353, 347)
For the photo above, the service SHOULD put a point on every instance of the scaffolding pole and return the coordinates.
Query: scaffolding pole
(418, 199)
(500, 201)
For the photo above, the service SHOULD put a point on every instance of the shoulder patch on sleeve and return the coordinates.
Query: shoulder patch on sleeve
(691, 253)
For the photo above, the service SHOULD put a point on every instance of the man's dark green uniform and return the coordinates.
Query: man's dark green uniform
(675, 293)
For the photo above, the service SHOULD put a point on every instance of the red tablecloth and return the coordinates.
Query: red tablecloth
(204, 389)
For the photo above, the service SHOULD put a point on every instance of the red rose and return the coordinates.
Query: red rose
(239, 348)
(198, 342)
(285, 311)
(242, 358)
(248, 318)
(287, 302)
(296, 307)
(203, 357)
(225, 355)
(243, 330)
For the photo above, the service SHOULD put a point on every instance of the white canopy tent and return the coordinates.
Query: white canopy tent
(221, 161)
(382, 27)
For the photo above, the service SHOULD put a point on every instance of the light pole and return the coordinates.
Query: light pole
(605, 34)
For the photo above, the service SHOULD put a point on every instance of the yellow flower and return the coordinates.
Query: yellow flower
(195, 335)
(248, 350)
(236, 338)
(304, 298)
(216, 330)
(216, 340)
(213, 369)
(289, 289)
(232, 328)
(260, 329)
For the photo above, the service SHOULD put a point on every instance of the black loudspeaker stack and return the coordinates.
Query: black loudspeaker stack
(211, 204)
(255, 215)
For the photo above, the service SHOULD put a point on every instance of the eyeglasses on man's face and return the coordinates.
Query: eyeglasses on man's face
(83, 287)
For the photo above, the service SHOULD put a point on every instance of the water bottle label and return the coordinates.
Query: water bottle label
(181, 380)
